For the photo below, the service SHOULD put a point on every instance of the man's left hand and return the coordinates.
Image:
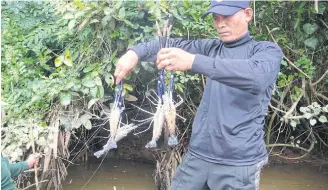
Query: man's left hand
(174, 59)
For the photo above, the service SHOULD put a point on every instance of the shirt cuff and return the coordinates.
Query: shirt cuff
(203, 65)
(25, 165)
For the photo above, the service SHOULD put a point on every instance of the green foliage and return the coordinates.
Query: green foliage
(65, 52)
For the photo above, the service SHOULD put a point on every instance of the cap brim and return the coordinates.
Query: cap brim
(222, 10)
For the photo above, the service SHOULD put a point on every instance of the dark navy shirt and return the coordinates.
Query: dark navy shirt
(228, 126)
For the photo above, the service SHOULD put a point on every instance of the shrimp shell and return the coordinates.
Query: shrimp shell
(114, 120)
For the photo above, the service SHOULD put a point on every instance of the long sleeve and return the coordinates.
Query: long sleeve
(17, 168)
(254, 74)
(148, 51)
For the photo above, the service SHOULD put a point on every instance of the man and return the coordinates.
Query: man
(226, 149)
(11, 170)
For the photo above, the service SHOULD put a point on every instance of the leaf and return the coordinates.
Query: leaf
(130, 98)
(94, 91)
(98, 81)
(78, 3)
(65, 98)
(313, 122)
(94, 21)
(323, 119)
(325, 109)
(89, 68)
(68, 16)
(100, 93)
(68, 61)
(71, 24)
(311, 42)
(307, 115)
(59, 61)
(310, 28)
(67, 53)
(284, 63)
(88, 125)
(88, 82)
(107, 10)
(128, 87)
(293, 123)
(148, 66)
(91, 102)
(315, 104)
(304, 109)
(121, 13)
(186, 4)
(109, 79)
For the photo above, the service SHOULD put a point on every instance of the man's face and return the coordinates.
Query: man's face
(232, 27)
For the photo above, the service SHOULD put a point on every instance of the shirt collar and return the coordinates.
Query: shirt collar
(244, 39)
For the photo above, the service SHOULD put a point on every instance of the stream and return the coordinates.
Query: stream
(116, 174)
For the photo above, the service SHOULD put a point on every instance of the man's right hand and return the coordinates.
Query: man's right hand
(125, 65)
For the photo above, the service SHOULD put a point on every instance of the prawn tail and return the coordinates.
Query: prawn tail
(107, 147)
(151, 144)
(173, 140)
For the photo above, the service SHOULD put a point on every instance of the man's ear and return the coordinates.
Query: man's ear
(249, 14)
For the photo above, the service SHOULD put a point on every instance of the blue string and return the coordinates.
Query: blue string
(118, 96)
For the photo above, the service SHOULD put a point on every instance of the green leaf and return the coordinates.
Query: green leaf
(107, 10)
(284, 63)
(109, 79)
(323, 119)
(186, 4)
(94, 91)
(78, 3)
(94, 21)
(311, 42)
(59, 61)
(68, 61)
(100, 93)
(121, 13)
(92, 102)
(98, 81)
(325, 109)
(65, 98)
(71, 24)
(310, 28)
(85, 120)
(88, 82)
(128, 87)
(89, 68)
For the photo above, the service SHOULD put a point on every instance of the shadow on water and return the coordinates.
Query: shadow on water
(117, 174)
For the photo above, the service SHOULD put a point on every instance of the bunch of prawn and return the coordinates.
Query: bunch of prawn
(116, 132)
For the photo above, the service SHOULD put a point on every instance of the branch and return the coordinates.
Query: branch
(295, 103)
(321, 96)
(289, 62)
(287, 145)
(321, 78)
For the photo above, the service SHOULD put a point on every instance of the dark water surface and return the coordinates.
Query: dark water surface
(116, 174)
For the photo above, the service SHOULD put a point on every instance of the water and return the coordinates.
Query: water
(128, 175)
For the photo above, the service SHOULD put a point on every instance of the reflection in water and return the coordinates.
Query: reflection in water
(128, 175)
(294, 177)
(113, 174)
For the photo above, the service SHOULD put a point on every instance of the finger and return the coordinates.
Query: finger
(117, 70)
(164, 63)
(163, 56)
(170, 68)
(165, 50)
(120, 76)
